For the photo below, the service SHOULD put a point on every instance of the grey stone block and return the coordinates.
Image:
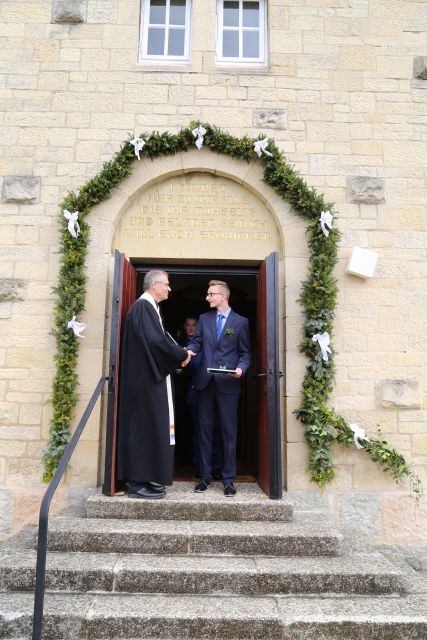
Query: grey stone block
(160, 537)
(21, 190)
(359, 513)
(6, 506)
(181, 503)
(12, 289)
(365, 189)
(73, 11)
(270, 118)
(420, 67)
(405, 394)
(386, 618)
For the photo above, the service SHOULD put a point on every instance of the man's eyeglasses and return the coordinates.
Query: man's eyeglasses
(165, 283)
(213, 293)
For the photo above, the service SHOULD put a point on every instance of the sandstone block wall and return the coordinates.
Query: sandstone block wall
(344, 95)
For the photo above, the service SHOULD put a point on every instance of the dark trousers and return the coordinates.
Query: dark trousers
(221, 409)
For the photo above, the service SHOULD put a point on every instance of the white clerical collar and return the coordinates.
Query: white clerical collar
(149, 297)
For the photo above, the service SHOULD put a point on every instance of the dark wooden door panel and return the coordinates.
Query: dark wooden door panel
(124, 293)
(269, 439)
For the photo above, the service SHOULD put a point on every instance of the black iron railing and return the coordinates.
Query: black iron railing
(44, 514)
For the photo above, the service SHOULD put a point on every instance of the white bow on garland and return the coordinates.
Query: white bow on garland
(73, 224)
(138, 144)
(77, 327)
(359, 434)
(324, 341)
(199, 133)
(326, 219)
(260, 147)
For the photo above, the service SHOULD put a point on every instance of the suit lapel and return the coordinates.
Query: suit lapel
(212, 323)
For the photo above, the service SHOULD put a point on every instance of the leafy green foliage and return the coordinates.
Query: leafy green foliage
(323, 427)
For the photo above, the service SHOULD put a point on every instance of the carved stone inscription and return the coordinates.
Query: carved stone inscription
(201, 213)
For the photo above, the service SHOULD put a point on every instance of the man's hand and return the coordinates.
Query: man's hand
(238, 373)
(190, 354)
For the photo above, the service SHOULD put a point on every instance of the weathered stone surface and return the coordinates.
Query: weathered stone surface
(360, 512)
(69, 11)
(21, 190)
(365, 189)
(414, 555)
(405, 394)
(302, 537)
(6, 507)
(361, 619)
(420, 67)
(181, 503)
(271, 118)
(12, 289)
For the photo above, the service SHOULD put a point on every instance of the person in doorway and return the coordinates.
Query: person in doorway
(146, 435)
(222, 337)
(186, 402)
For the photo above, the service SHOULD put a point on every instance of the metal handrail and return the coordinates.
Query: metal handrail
(44, 514)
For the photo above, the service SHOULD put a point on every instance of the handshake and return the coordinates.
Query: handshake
(190, 354)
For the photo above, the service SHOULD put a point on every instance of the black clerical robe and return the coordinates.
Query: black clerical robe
(148, 355)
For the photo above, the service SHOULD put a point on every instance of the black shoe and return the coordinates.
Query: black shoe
(146, 491)
(229, 490)
(202, 485)
(157, 487)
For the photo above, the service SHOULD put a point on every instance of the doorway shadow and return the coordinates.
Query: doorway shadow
(188, 299)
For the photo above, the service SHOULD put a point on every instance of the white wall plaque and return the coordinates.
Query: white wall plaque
(362, 262)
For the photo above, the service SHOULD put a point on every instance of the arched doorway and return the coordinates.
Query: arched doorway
(199, 225)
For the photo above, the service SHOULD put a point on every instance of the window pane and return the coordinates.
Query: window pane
(177, 12)
(251, 14)
(250, 44)
(176, 42)
(230, 44)
(231, 14)
(157, 11)
(156, 42)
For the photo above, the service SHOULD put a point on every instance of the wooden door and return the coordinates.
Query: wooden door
(124, 294)
(269, 433)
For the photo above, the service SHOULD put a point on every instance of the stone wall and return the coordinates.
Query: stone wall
(344, 96)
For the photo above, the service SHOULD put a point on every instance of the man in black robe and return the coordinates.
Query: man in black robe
(146, 435)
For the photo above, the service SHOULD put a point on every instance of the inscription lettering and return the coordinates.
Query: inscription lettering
(200, 210)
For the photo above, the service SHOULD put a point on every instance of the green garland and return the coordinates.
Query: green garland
(323, 427)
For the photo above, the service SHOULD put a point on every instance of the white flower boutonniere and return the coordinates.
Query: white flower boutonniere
(229, 331)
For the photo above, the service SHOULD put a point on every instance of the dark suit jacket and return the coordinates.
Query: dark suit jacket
(232, 349)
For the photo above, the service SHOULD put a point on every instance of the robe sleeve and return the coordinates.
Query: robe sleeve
(162, 354)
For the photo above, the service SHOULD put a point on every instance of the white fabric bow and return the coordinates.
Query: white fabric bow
(198, 133)
(326, 218)
(73, 225)
(324, 341)
(359, 434)
(138, 144)
(260, 147)
(77, 327)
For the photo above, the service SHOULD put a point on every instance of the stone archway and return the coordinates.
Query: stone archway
(106, 230)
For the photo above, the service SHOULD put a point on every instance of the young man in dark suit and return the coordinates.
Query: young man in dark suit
(222, 337)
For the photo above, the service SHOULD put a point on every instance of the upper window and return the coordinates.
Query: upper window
(165, 30)
(241, 31)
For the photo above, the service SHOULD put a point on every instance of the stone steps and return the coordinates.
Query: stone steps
(197, 567)
(302, 537)
(361, 573)
(124, 616)
(181, 503)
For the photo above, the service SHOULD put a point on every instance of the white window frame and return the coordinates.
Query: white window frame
(145, 16)
(261, 61)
